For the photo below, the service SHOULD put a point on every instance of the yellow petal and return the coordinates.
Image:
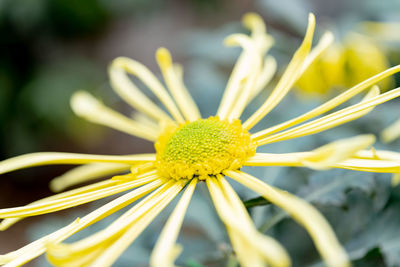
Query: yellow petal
(176, 86)
(322, 234)
(252, 248)
(321, 124)
(321, 158)
(378, 154)
(86, 173)
(258, 29)
(150, 80)
(104, 238)
(289, 77)
(331, 120)
(146, 120)
(391, 133)
(88, 107)
(38, 247)
(326, 156)
(275, 159)
(261, 42)
(383, 164)
(325, 41)
(61, 203)
(125, 88)
(334, 102)
(369, 165)
(117, 247)
(267, 73)
(51, 158)
(166, 251)
(6, 223)
(250, 77)
(273, 253)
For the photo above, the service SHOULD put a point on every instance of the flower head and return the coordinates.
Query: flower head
(356, 58)
(191, 149)
(203, 148)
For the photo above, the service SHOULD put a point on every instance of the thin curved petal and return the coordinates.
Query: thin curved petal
(276, 159)
(289, 77)
(178, 90)
(262, 42)
(332, 153)
(331, 104)
(267, 73)
(325, 41)
(51, 158)
(323, 157)
(128, 91)
(6, 223)
(269, 248)
(150, 80)
(256, 25)
(370, 165)
(353, 163)
(60, 203)
(321, 233)
(91, 109)
(38, 247)
(378, 154)
(85, 173)
(329, 121)
(68, 253)
(109, 255)
(249, 80)
(252, 248)
(166, 251)
(145, 120)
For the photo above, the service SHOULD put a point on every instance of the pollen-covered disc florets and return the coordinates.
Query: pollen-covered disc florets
(202, 148)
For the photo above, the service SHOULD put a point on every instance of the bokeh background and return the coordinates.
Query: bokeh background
(51, 48)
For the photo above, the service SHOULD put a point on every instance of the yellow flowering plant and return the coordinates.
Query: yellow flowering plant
(343, 64)
(190, 149)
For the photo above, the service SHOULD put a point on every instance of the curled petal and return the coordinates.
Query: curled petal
(322, 234)
(88, 107)
(176, 86)
(289, 77)
(326, 156)
(128, 91)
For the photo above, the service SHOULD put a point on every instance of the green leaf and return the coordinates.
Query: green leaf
(193, 263)
(329, 187)
(382, 232)
(257, 201)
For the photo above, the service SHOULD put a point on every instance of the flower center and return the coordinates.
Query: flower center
(202, 148)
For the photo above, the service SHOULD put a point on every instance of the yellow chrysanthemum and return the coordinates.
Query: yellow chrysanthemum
(190, 149)
(355, 59)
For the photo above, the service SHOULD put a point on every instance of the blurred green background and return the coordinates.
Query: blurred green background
(51, 48)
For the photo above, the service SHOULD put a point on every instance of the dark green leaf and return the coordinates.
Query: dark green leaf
(257, 201)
